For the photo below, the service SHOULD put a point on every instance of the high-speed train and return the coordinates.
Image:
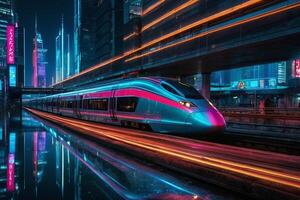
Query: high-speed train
(158, 104)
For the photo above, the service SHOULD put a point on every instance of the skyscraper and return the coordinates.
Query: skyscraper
(58, 58)
(77, 25)
(98, 31)
(6, 17)
(39, 60)
(62, 55)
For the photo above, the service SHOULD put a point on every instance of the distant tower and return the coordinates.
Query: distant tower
(77, 28)
(38, 60)
(62, 54)
(68, 56)
(63, 49)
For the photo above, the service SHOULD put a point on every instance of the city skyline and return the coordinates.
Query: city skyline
(149, 99)
(49, 20)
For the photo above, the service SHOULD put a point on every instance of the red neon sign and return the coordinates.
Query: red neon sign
(296, 68)
(10, 44)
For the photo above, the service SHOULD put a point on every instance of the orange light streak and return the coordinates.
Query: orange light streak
(130, 35)
(168, 14)
(195, 24)
(163, 17)
(157, 40)
(169, 149)
(92, 68)
(218, 30)
(152, 7)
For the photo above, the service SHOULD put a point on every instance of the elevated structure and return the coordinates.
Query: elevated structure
(188, 37)
(47, 91)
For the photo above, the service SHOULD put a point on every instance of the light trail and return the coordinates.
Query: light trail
(152, 7)
(169, 35)
(169, 14)
(163, 17)
(222, 28)
(196, 24)
(130, 35)
(167, 148)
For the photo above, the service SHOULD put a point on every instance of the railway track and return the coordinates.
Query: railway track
(273, 138)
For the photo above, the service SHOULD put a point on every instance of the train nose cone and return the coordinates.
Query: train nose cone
(208, 121)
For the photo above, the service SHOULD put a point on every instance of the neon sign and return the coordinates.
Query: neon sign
(296, 68)
(10, 44)
(10, 184)
(12, 76)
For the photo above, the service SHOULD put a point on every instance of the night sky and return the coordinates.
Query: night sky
(49, 14)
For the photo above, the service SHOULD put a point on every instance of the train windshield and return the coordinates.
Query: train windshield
(187, 90)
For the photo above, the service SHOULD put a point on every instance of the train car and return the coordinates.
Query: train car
(157, 104)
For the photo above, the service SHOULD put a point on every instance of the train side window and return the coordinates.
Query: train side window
(170, 89)
(95, 104)
(101, 104)
(127, 104)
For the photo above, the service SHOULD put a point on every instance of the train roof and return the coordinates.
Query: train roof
(154, 80)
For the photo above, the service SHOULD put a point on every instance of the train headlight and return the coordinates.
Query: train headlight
(187, 104)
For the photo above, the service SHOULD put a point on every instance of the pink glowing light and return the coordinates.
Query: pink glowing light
(215, 118)
(296, 68)
(35, 65)
(10, 184)
(151, 96)
(35, 151)
(95, 114)
(138, 93)
(10, 44)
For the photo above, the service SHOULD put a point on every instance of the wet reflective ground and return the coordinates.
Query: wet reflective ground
(39, 160)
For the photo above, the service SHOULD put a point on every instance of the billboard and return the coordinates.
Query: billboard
(10, 44)
(12, 76)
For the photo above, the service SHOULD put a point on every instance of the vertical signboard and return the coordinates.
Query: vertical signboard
(10, 184)
(296, 68)
(12, 76)
(10, 44)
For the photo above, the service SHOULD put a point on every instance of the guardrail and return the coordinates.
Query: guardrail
(280, 117)
(292, 113)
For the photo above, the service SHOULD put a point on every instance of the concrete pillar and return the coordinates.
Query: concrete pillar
(206, 85)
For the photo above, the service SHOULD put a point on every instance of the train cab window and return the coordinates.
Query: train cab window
(127, 104)
(186, 90)
(170, 89)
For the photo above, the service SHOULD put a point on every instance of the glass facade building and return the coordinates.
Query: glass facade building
(39, 61)
(6, 17)
(62, 56)
(247, 86)
(98, 31)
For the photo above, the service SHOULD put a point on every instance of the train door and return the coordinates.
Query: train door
(112, 106)
(78, 105)
(58, 104)
(74, 105)
(52, 105)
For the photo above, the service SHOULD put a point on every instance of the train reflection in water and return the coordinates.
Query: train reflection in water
(123, 177)
(42, 161)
